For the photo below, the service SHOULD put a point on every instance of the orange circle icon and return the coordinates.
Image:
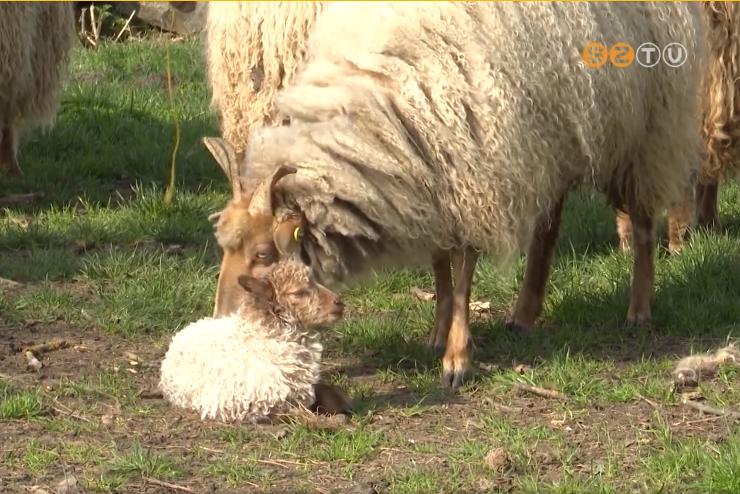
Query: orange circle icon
(594, 54)
(621, 55)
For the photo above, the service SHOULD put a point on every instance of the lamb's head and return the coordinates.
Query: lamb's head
(251, 237)
(289, 290)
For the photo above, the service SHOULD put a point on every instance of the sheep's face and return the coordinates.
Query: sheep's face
(290, 289)
(251, 237)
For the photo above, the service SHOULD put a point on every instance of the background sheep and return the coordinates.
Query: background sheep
(720, 129)
(35, 41)
(257, 362)
(253, 49)
(417, 130)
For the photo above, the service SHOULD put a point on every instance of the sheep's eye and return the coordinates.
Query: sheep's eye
(300, 293)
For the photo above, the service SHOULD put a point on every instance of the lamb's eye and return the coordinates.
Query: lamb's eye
(300, 293)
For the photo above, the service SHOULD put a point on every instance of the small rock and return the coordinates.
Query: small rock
(106, 419)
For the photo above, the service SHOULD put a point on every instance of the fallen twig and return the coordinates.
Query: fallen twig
(274, 463)
(20, 199)
(708, 409)
(168, 485)
(545, 393)
(30, 353)
(49, 346)
(128, 21)
(649, 402)
(59, 408)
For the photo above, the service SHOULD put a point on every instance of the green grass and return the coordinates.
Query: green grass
(102, 254)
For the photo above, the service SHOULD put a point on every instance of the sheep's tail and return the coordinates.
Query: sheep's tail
(721, 123)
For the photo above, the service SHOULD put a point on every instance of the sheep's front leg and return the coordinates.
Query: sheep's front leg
(457, 360)
(707, 196)
(441, 265)
(539, 259)
(8, 153)
(643, 269)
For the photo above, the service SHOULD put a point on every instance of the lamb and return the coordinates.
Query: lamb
(417, 132)
(260, 361)
(253, 49)
(35, 41)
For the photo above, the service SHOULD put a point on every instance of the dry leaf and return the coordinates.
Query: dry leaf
(480, 306)
(522, 369)
(497, 459)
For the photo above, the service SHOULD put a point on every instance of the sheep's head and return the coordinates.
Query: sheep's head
(289, 289)
(251, 237)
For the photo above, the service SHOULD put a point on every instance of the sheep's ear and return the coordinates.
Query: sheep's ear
(288, 235)
(262, 198)
(227, 160)
(259, 287)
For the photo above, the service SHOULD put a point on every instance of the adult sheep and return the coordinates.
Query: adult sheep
(35, 41)
(252, 50)
(420, 130)
(720, 129)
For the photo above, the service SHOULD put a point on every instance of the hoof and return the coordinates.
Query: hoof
(453, 379)
(638, 320)
(518, 329)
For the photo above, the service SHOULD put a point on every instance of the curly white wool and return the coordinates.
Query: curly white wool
(229, 369)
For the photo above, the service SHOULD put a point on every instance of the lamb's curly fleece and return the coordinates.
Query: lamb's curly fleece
(35, 41)
(232, 370)
(417, 126)
(252, 50)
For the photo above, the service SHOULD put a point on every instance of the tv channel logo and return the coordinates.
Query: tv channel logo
(622, 55)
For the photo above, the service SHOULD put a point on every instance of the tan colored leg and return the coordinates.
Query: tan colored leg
(707, 211)
(643, 269)
(624, 230)
(539, 259)
(441, 264)
(457, 360)
(680, 221)
(8, 153)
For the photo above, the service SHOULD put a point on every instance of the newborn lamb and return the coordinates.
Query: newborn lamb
(261, 360)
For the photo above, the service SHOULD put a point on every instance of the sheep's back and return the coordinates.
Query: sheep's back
(35, 41)
(451, 123)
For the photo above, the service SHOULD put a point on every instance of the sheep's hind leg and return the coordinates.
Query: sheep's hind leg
(441, 265)
(539, 259)
(624, 230)
(707, 196)
(643, 269)
(457, 360)
(8, 153)
(680, 221)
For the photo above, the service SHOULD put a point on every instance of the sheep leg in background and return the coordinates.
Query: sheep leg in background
(680, 221)
(643, 268)
(539, 259)
(441, 265)
(8, 152)
(624, 230)
(706, 207)
(456, 362)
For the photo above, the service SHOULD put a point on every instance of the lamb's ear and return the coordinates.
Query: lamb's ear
(262, 198)
(259, 287)
(227, 160)
(288, 235)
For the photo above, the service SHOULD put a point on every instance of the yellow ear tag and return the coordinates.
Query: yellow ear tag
(297, 234)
